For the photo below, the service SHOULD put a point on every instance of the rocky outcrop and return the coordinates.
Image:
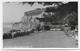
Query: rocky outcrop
(29, 20)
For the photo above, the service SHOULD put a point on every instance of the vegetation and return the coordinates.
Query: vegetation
(68, 11)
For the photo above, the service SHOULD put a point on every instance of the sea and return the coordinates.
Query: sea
(7, 27)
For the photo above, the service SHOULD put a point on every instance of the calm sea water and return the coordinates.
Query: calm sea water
(6, 27)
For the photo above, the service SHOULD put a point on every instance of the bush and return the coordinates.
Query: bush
(7, 36)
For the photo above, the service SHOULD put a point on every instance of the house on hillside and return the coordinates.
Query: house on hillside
(29, 15)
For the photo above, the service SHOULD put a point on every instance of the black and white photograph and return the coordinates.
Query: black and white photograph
(40, 24)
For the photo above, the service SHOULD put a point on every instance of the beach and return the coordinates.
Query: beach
(49, 39)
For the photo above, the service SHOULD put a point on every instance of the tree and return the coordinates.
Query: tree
(62, 11)
(43, 3)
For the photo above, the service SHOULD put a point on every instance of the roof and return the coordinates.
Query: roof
(34, 12)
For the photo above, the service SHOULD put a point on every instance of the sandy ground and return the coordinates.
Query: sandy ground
(50, 39)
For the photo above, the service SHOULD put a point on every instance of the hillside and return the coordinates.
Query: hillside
(63, 11)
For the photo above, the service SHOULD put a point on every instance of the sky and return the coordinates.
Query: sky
(13, 12)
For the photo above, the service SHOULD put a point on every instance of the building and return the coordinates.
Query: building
(33, 14)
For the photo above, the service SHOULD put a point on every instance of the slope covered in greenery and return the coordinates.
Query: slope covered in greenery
(63, 13)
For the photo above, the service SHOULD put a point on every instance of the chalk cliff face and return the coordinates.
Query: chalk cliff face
(29, 21)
